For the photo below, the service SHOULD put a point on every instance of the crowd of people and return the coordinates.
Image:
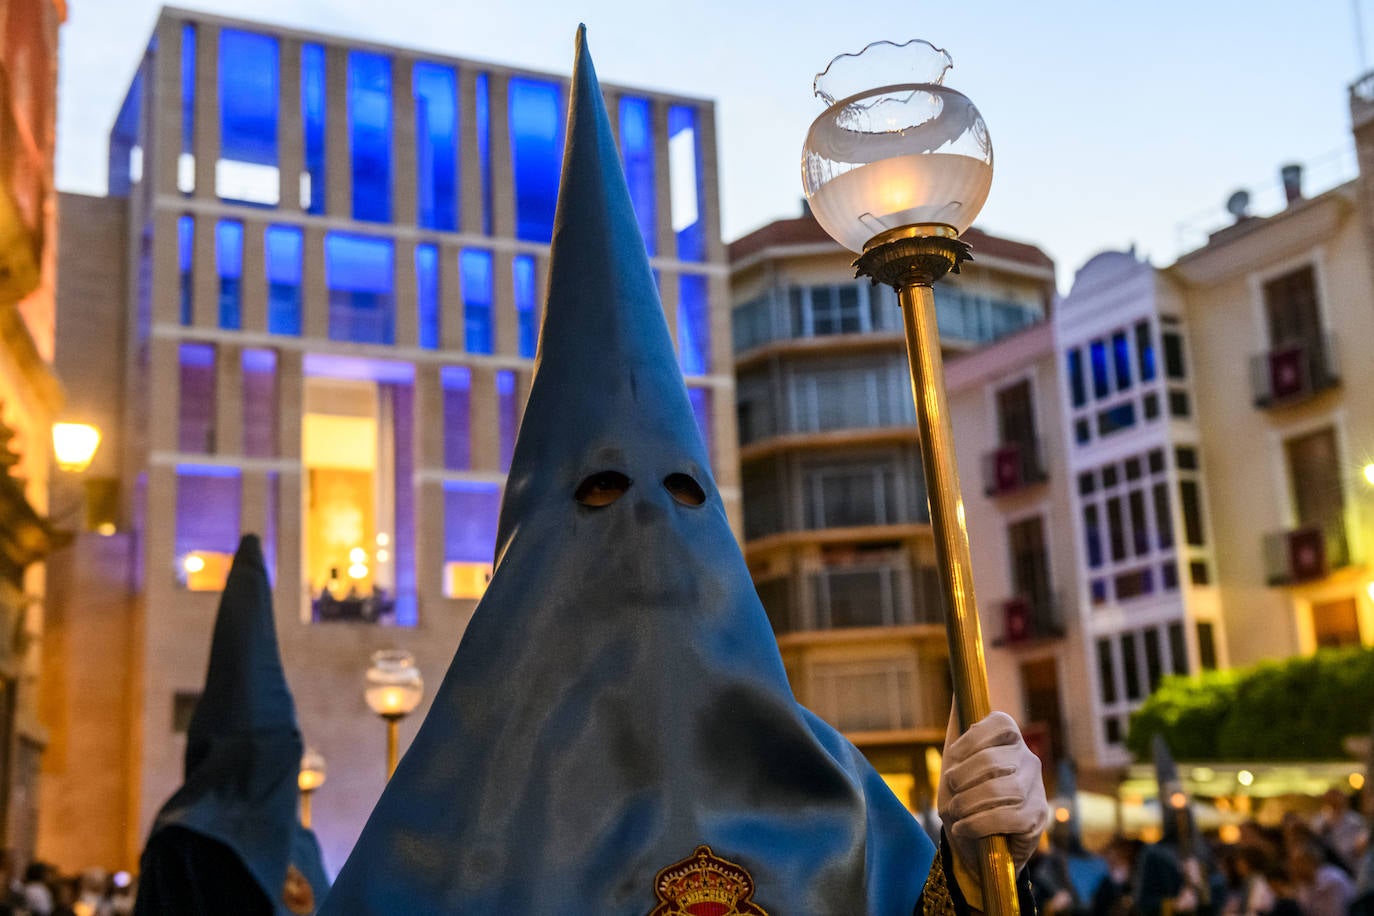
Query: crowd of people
(43, 890)
(1307, 866)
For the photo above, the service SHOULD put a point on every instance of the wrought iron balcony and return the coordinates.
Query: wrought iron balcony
(1026, 619)
(1013, 466)
(1294, 371)
(1305, 554)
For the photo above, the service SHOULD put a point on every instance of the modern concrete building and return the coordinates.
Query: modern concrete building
(1145, 546)
(30, 400)
(310, 306)
(837, 529)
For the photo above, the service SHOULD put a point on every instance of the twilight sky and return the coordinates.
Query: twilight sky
(1112, 123)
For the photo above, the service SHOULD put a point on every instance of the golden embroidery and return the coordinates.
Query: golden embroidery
(935, 899)
(704, 885)
(297, 893)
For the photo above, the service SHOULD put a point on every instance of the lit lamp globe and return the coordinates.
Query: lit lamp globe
(311, 777)
(896, 168)
(394, 689)
(909, 153)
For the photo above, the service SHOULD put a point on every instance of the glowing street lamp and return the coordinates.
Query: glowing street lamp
(310, 778)
(895, 169)
(394, 689)
(74, 445)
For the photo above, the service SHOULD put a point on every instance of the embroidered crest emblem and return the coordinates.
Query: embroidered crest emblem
(705, 885)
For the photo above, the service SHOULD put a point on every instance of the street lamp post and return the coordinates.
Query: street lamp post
(896, 173)
(394, 689)
(310, 778)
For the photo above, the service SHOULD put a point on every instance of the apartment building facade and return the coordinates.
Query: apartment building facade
(336, 255)
(32, 510)
(837, 529)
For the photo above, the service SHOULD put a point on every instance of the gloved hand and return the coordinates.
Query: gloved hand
(989, 783)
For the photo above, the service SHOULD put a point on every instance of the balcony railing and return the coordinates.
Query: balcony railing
(1026, 619)
(374, 607)
(1305, 554)
(1013, 466)
(1293, 372)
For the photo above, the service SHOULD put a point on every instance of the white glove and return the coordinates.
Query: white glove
(989, 784)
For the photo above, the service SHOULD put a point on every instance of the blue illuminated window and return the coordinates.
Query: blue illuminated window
(124, 138)
(1145, 351)
(312, 115)
(427, 294)
(359, 273)
(526, 304)
(284, 250)
(1121, 360)
(209, 499)
(369, 125)
(482, 114)
(1077, 386)
(684, 178)
(248, 92)
(475, 269)
(456, 382)
(693, 325)
(1101, 383)
(186, 163)
(637, 151)
(508, 415)
(536, 140)
(470, 516)
(229, 262)
(701, 412)
(436, 135)
(186, 239)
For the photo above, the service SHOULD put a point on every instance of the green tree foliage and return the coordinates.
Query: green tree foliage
(1297, 709)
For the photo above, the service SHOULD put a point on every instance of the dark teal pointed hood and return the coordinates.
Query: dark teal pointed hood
(618, 700)
(243, 748)
(1177, 826)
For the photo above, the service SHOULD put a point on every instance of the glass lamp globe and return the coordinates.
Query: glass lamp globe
(394, 686)
(312, 772)
(895, 147)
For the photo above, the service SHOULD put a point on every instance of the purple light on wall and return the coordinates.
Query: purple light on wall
(260, 403)
(470, 516)
(196, 406)
(358, 368)
(508, 408)
(456, 382)
(209, 501)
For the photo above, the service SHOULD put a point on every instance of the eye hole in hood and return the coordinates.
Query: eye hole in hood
(601, 489)
(684, 489)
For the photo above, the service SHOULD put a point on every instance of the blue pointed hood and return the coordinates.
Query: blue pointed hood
(243, 747)
(618, 700)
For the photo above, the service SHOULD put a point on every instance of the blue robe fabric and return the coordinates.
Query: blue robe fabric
(235, 813)
(618, 698)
